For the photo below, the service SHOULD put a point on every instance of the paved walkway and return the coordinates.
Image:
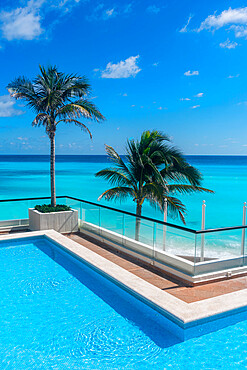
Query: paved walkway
(161, 280)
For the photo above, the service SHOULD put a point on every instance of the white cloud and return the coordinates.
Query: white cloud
(235, 18)
(25, 22)
(228, 44)
(199, 95)
(195, 106)
(124, 69)
(153, 9)
(191, 73)
(234, 76)
(22, 23)
(184, 29)
(109, 13)
(240, 31)
(101, 12)
(183, 99)
(7, 108)
(156, 64)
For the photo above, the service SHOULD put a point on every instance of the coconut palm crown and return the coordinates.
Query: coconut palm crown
(153, 170)
(56, 97)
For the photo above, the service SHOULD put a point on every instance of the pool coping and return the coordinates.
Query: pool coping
(182, 313)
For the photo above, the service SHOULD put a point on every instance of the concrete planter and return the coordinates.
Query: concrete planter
(63, 222)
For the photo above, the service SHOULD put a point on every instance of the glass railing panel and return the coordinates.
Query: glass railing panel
(129, 226)
(146, 232)
(138, 229)
(112, 221)
(175, 241)
(13, 210)
(138, 235)
(89, 217)
(219, 250)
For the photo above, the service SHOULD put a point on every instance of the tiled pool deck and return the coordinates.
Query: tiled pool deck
(180, 290)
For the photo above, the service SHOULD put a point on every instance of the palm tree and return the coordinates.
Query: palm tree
(150, 165)
(56, 97)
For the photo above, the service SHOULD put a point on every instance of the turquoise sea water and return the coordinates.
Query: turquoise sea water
(28, 176)
(56, 313)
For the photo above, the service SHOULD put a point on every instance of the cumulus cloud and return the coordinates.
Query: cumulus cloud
(199, 95)
(191, 73)
(124, 69)
(236, 19)
(7, 107)
(195, 106)
(228, 44)
(21, 23)
(25, 22)
(185, 99)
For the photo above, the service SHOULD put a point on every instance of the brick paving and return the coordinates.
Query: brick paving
(159, 279)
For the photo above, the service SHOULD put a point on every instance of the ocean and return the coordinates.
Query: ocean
(28, 176)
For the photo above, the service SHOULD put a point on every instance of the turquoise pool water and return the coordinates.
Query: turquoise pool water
(58, 314)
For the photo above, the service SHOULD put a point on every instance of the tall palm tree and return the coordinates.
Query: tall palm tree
(150, 165)
(56, 97)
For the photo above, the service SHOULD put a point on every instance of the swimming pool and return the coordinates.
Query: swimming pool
(58, 313)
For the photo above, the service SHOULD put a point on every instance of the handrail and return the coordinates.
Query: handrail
(133, 214)
(221, 229)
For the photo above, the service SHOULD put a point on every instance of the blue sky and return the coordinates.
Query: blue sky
(175, 66)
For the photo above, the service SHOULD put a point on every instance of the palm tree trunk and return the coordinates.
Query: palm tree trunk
(52, 169)
(138, 221)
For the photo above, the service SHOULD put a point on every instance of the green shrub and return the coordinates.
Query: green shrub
(47, 208)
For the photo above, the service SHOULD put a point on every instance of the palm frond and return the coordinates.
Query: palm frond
(118, 193)
(187, 189)
(176, 208)
(182, 172)
(114, 176)
(115, 158)
(77, 123)
(80, 108)
(40, 119)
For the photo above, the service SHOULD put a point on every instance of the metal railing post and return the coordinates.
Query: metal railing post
(164, 227)
(80, 214)
(99, 222)
(243, 230)
(203, 228)
(123, 224)
(154, 240)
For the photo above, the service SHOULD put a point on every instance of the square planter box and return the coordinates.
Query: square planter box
(63, 222)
